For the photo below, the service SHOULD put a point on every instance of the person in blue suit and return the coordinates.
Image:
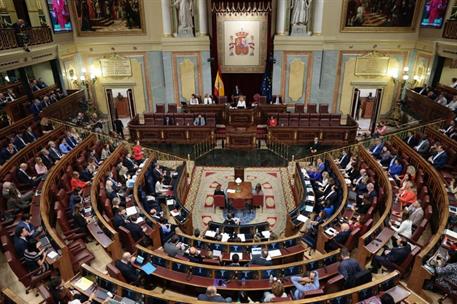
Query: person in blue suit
(395, 168)
(439, 158)
(377, 148)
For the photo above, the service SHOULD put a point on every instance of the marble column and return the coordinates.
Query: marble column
(281, 17)
(166, 17)
(202, 18)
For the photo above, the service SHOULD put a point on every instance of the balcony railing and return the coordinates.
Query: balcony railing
(9, 39)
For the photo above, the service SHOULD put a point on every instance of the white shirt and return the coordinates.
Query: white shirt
(194, 101)
(441, 100)
(452, 105)
(241, 104)
(405, 229)
(207, 100)
(454, 85)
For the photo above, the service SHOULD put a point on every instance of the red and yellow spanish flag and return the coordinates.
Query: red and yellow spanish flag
(219, 84)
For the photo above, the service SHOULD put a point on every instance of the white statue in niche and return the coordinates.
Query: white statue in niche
(185, 17)
(300, 18)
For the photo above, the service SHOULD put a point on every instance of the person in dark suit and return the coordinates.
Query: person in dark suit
(348, 268)
(130, 274)
(344, 160)
(79, 219)
(129, 163)
(211, 295)
(393, 256)
(339, 239)
(26, 222)
(261, 260)
(411, 140)
(54, 152)
(423, 146)
(219, 191)
(8, 152)
(194, 255)
(118, 217)
(119, 127)
(377, 148)
(364, 203)
(29, 136)
(135, 229)
(47, 160)
(20, 242)
(439, 158)
(315, 146)
(19, 142)
(24, 178)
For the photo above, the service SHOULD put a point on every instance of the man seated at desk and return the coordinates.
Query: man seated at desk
(276, 100)
(199, 121)
(241, 104)
(208, 99)
(339, 239)
(194, 100)
(126, 268)
(392, 256)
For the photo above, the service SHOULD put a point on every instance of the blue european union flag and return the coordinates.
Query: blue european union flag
(266, 88)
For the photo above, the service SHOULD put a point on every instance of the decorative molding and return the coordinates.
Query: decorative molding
(176, 74)
(309, 71)
(238, 9)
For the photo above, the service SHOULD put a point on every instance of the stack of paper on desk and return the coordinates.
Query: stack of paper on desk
(210, 233)
(274, 253)
(302, 218)
(84, 283)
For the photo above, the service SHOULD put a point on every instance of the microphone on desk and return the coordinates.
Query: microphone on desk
(189, 274)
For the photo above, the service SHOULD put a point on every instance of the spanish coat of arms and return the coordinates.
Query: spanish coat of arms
(241, 44)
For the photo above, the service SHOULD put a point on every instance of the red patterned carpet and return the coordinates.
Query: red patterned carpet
(206, 179)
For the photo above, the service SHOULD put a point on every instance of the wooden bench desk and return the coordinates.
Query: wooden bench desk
(380, 241)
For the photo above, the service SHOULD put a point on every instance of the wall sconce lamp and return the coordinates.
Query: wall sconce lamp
(85, 79)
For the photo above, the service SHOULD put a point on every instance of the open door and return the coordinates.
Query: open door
(366, 103)
(121, 104)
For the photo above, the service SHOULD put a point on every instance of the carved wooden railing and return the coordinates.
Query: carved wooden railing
(8, 39)
(36, 35)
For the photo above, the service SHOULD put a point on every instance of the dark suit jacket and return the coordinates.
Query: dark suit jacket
(47, 161)
(129, 164)
(398, 254)
(117, 221)
(24, 179)
(54, 154)
(135, 230)
(440, 161)
(128, 272)
(23, 224)
(344, 161)
(411, 141)
(19, 143)
(258, 260)
(20, 245)
(29, 137)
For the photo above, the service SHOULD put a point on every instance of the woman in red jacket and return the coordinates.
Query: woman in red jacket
(137, 152)
(408, 195)
(75, 182)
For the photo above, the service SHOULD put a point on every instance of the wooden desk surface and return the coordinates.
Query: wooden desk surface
(380, 240)
(244, 193)
(99, 234)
